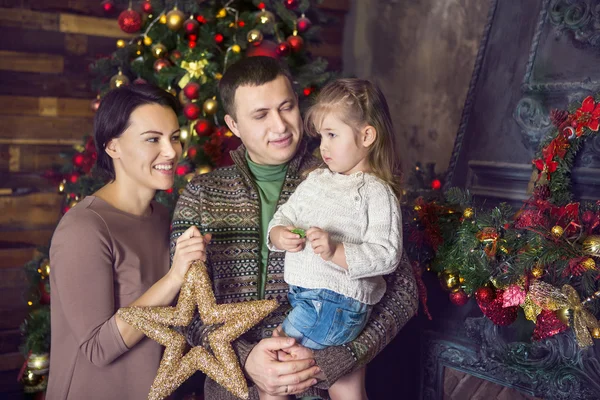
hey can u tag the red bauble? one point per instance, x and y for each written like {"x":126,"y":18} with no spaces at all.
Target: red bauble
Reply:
{"x":169,"y":190}
{"x":147,"y":7}
{"x":219,"y":38}
{"x":191,"y":90}
{"x":203,"y":128}
{"x":241,"y":24}
{"x":296,"y":43}
{"x":160,"y":64}
{"x":192,"y":44}
{"x":459,"y":298}
{"x":290,"y":4}
{"x":261,"y":5}
{"x":175,"y":55}
{"x":108,"y":6}
{"x":44,"y":294}
{"x":191,"y":153}
{"x":307,"y":91}
{"x":485,"y":295}
{"x":265,"y":48}
{"x":191,"y":26}
{"x":130,"y":21}
{"x":547,"y":324}
{"x":181,"y":170}
{"x":436,"y":184}
{"x":191,"y":111}
{"x":303,"y":24}
{"x":73,"y":177}
{"x":140,"y":81}
{"x":201,"y":19}
{"x":78,"y":159}
{"x":283,"y":49}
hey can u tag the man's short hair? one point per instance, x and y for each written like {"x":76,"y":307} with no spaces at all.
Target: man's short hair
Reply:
{"x":250,"y":71}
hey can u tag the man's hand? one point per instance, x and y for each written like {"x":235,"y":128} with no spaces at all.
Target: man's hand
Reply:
{"x":280,"y":377}
{"x":284,"y":239}
{"x":321,"y":243}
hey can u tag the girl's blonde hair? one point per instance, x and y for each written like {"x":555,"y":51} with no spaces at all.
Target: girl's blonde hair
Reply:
{"x":360,"y":103}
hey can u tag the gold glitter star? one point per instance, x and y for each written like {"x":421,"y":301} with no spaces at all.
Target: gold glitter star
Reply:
{"x":222,"y":364}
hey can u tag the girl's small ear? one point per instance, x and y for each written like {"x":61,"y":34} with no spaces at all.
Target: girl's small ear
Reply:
{"x":112,"y":148}
{"x":369,"y":134}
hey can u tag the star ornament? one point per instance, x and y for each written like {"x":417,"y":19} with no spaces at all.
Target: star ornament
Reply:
{"x":220,"y":362}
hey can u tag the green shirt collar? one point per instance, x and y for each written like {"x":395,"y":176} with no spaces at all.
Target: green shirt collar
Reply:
{"x":266,"y":173}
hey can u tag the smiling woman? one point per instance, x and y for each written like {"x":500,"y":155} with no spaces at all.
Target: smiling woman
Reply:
{"x":122,"y":253}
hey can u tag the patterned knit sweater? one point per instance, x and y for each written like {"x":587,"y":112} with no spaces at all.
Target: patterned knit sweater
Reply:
{"x":358,"y":210}
{"x":225,"y":202}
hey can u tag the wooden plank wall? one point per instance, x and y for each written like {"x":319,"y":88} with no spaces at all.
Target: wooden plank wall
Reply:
{"x":45,"y":49}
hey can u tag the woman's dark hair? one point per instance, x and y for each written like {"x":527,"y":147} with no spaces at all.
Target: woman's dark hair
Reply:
{"x":112,"y":117}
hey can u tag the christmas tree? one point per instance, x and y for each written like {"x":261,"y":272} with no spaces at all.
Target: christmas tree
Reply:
{"x":184,"y":47}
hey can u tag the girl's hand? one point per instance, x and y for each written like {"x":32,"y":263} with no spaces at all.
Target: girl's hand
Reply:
{"x":191,"y":246}
{"x":321,"y":243}
{"x":283,"y":238}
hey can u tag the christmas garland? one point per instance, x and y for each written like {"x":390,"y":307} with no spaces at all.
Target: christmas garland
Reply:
{"x":540,"y":258}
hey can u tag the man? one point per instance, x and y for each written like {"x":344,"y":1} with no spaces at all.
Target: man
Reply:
{"x":235,"y":205}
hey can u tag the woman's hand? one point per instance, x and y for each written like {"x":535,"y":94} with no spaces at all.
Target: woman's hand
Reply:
{"x":191,"y":246}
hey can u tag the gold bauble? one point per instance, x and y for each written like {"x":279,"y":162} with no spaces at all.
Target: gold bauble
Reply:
{"x":184,"y":133}
{"x":218,"y":76}
{"x":30,"y":379}
{"x":147,"y":40}
{"x":254,"y":36}
{"x":210,"y":106}
{"x":163,"y":19}
{"x":121,"y":43}
{"x":236,"y":48}
{"x":417,"y":208}
{"x":72,"y":204}
{"x":159,"y":50}
{"x":139,"y":47}
{"x":265,"y":17}
{"x":61,"y":186}
{"x":172,"y":91}
{"x":468,"y":213}
{"x":565,"y":315}
{"x":118,"y":80}
{"x":557,"y":231}
{"x":44,"y":268}
{"x":175,"y":19}
{"x":222,"y":13}
{"x":203,"y":169}
{"x":183,"y":98}
{"x":595,"y":333}
{"x":38,"y":363}
{"x":589,"y":263}
{"x":450,"y":281}
{"x":591,"y":245}
{"x":537,"y":271}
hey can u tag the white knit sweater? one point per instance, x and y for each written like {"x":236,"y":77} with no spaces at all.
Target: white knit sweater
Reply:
{"x":358,"y":210}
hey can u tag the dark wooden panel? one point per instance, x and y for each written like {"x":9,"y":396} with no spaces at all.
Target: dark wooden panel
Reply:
{"x":45,"y":106}
{"x":11,"y":361}
{"x":33,"y":210}
{"x":14,"y":256}
{"x":31,"y":84}
{"x":30,"y":127}
{"x":10,"y":340}
{"x":16,"y":234}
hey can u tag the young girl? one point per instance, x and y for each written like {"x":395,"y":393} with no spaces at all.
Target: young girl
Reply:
{"x":342,"y":226}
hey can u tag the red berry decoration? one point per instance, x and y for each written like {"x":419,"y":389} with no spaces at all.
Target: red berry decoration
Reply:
{"x":436,"y":184}
{"x":459,"y":298}
{"x":203,"y":128}
{"x":303,"y":24}
{"x":191,"y":26}
{"x":192,"y":45}
{"x":296,"y":43}
{"x":241,"y":24}
{"x":181,"y":170}
{"x":192,"y":151}
{"x":290,"y":4}
{"x":484,"y":295}
{"x":191,"y":90}
{"x":307,"y":91}
{"x":130,"y":21}
{"x":191,"y":111}
{"x":201,"y":19}
{"x":73,"y":177}
{"x":78,"y":160}
{"x":147,"y":7}
{"x":219,"y":38}
{"x":261,"y":5}
{"x":108,"y":6}
{"x":283,"y":49}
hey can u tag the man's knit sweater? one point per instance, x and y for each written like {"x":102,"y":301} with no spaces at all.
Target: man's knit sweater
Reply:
{"x":226,"y":203}
{"x":358,"y":210}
